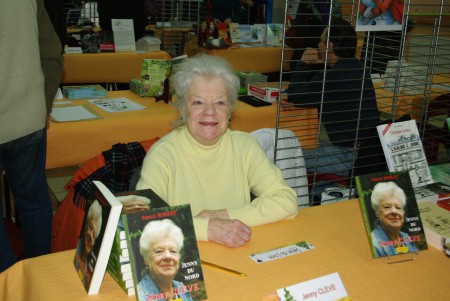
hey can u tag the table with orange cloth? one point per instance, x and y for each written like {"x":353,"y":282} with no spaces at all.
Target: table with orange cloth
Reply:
{"x":257,"y":59}
{"x":412,"y":104}
{"x":72,"y":143}
{"x":340,"y":243}
{"x":106,"y":67}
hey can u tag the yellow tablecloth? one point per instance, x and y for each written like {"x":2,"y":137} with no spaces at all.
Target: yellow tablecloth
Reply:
{"x":72,"y":143}
{"x":106,"y":67}
{"x":336,"y":231}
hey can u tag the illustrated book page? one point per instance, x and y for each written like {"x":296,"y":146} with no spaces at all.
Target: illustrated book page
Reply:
{"x":390,"y":213}
{"x":403,"y":150}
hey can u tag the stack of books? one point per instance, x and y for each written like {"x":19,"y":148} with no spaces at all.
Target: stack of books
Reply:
{"x":119,"y":266}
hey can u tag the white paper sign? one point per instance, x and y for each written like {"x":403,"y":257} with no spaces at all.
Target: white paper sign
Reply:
{"x":325,"y":288}
{"x":123,"y":31}
{"x":281,"y":252}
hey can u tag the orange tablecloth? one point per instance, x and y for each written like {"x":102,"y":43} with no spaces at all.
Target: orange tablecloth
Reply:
{"x":72,"y":143}
{"x":257,"y":59}
{"x":106,"y":67}
{"x":336,"y":231}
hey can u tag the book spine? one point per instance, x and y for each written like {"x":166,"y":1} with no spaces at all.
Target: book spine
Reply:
{"x":364,"y":213}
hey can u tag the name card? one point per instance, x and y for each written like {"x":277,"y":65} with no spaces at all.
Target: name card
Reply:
{"x":325,"y":288}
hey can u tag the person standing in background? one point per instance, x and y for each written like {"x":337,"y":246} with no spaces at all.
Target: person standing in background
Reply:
{"x":31,"y":66}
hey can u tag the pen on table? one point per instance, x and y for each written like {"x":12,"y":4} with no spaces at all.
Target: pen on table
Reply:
{"x":222,"y":268}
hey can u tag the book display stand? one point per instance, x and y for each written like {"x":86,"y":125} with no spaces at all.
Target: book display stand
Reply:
{"x":401,"y":257}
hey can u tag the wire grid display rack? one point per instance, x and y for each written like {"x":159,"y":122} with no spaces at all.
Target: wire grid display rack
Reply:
{"x":410,"y":70}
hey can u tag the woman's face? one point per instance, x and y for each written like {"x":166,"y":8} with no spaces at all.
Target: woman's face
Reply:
{"x":89,"y":234}
{"x":163,"y":258}
{"x":391,"y":213}
{"x":207,"y":111}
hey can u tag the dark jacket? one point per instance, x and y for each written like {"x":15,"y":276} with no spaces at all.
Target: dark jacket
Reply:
{"x":343,"y":87}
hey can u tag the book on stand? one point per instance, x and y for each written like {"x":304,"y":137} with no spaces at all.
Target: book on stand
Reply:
{"x":155,"y":78}
{"x":119,"y":266}
{"x":388,"y":205}
{"x":436,"y":222}
{"x":96,"y":237}
{"x":403,"y":150}
{"x":162,"y":242}
{"x":441,"y":172}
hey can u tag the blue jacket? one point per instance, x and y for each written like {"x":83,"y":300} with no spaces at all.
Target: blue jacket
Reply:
{"x":148,"y":287}
{"x":343,"y":86}
{"x":379,"y":235}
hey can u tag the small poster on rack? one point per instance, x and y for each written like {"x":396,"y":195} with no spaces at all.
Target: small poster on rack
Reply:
{"x":376,"y":15}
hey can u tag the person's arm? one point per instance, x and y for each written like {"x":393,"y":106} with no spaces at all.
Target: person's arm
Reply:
{"x":305,"y":87}
{"x":50,"y":52}
{"x":275,"y":200}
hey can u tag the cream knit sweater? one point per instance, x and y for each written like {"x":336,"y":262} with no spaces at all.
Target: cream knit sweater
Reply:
{"x":27,"y":40}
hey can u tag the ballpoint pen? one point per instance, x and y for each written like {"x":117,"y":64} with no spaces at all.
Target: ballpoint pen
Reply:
{"x":222,"y":268}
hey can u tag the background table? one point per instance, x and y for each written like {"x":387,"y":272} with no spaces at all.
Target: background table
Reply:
{"x":106,"y":67}
{"x":335,"y":230}
{"x":257,"y":59}
{"x":72,"y":143}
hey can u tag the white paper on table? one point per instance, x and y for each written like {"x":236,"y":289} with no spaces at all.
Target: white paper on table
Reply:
{"x":123,"y":31}
{"x":119,"y":104}
{"x":74,"y":113}
{"x":325,"y":288}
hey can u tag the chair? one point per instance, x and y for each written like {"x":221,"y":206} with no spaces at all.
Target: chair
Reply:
{"x":115,"y":173}
{"x":289,"y":158}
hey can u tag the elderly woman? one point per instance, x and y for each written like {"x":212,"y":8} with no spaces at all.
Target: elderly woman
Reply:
{"x":215,"y":170}
{"x":388,"y":202}
{"x":160,"y":245}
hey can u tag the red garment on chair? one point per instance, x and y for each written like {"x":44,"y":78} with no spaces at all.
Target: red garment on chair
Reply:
{"x":69,"y":216}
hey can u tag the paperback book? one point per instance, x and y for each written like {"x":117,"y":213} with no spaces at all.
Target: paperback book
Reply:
{"x":391,"y":214}
{"x":163,"y":249}
{"x":96,"y":237}
{"x":119,"y":266}
{"x":403,"y":150}
{"x":155,"y":78}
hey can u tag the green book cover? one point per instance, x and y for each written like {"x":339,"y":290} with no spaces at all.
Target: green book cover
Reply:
{"x":390,"y":213}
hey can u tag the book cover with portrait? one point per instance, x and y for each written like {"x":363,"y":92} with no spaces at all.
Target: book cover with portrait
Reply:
{"x":391,"y":214}
{"x":164,"y":256}
{"x":96,"y":237}
{"x":119,"y":266}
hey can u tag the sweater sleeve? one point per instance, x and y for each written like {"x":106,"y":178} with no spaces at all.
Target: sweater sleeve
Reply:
{"x":274,"y":201}
{"x":305,"y":87}
{"x":50,"y":51}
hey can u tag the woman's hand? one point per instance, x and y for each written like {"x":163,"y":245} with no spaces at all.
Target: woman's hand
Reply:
{"x":231,"y":233}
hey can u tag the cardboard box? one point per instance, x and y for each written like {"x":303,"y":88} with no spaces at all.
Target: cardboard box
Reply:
{"x":267,"y":94}
{"x":85,"y":91}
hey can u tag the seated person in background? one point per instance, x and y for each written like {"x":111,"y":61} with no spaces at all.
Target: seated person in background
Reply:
{"x":226,"y":11}
{"x":205,"y":164}
{"x":344,"y":94}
